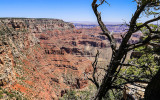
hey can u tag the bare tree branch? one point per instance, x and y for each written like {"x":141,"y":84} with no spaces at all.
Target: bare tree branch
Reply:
{"x":147,"y":22}
{"x":144,"y":42}
{"x":102,"y":25}
{"x":102,"y":1}
{"x":150,"y":30}
{"x":94,"y":65}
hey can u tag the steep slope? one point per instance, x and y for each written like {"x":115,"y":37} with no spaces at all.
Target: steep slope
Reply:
{"x":42,"y":58}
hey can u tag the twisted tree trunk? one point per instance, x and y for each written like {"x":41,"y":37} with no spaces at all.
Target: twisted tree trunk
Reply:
{"x":153,"y":89}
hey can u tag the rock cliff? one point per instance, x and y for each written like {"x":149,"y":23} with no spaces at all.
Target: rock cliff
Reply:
{"x":42,"y":58}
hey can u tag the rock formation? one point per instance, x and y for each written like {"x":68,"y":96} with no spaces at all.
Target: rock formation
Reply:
{"x":42,"y":58}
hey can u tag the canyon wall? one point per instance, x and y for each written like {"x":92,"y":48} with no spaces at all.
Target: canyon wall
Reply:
{"x":43,"y":58}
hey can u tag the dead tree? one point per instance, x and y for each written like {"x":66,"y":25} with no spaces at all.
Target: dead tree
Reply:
{"x":119,"y":52}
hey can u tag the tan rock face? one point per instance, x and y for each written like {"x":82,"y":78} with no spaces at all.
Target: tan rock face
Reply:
{"x":42,"y":58}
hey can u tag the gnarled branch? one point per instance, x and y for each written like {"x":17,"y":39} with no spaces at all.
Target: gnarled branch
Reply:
{"x":94,"y":65}
{"x":144,"y":42}
{"x":102,"y":25}
{"x":146,"y":23}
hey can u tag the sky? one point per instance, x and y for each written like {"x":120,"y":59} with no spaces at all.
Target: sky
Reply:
{"x":68,"y":10}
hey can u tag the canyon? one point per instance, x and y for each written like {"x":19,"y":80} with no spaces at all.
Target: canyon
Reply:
{"x":43,"y":58}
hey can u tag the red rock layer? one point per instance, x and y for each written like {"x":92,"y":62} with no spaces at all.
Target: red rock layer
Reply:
{"x":48,"y":56}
